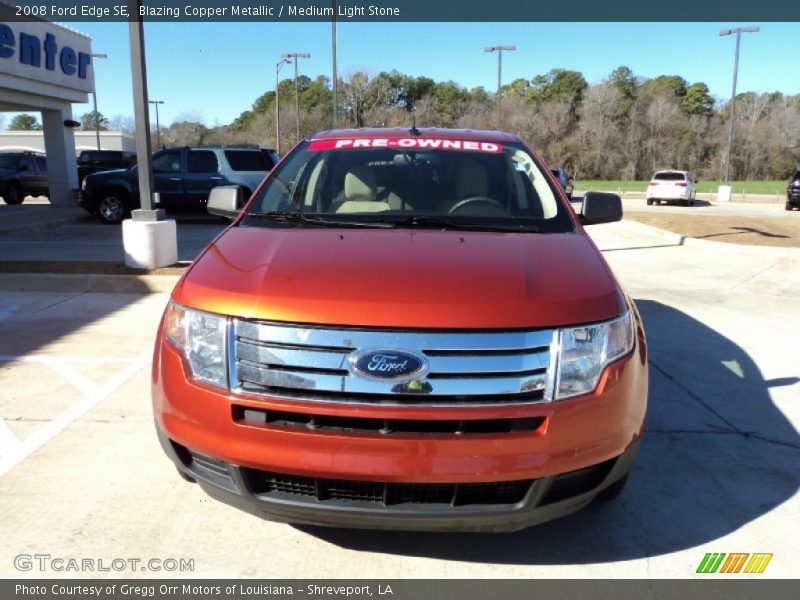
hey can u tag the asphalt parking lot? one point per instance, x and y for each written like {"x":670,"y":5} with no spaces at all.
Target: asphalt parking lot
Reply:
{"x":82,"y":475}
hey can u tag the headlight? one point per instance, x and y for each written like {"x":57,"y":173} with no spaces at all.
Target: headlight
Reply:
{"x":585,"y":351}
{"x":201,"y":338}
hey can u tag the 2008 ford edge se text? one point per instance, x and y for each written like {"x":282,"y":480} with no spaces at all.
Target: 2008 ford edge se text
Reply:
{"x":404,"y":329}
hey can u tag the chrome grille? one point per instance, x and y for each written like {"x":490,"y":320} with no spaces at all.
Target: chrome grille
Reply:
{"x":311,"y":363}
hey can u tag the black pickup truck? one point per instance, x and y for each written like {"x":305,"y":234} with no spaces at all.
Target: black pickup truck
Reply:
{"x":183,"y":178}
{"x":94,"y":161}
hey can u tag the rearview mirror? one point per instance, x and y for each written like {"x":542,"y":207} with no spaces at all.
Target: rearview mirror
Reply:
{"x":600,"y":207}
{"x":224,"y":201}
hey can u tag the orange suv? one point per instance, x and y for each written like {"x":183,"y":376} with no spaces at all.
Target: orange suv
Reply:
{"x":404,"y":329}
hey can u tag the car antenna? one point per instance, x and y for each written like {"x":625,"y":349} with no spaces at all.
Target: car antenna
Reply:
{"x":414,"y":130}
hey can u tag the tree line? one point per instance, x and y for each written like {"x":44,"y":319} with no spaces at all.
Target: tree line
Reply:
{"x":624,"y":127}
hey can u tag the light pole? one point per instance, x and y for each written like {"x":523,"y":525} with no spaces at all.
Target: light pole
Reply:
{"x":499,"y":50}
{"x":738,"y":32}
{"x":296,"y":56}
{"x":158,"y":126}
{"x":335,"y":76}
{"x":94,"y":97}
{"x":284,"y":61}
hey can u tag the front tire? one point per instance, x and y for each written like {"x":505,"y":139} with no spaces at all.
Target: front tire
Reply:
{"x":14,"y":195}
{"x":649,"y":202}
{"x":112,"y":207}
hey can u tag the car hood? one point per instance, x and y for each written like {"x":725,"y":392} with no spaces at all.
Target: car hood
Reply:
{"x":403,"y":278}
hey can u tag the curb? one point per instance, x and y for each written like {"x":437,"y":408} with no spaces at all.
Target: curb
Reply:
{"x":22,"y":227}
{"x":710,"y":245}
{"x":115,"y":284}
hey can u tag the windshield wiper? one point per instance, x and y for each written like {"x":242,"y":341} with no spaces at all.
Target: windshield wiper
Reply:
{"x":444,"y":223}
{"x":300,"y":218}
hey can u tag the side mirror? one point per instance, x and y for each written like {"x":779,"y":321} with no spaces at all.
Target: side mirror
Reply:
{"x":224,"y":201}
{"x":600,"y":207}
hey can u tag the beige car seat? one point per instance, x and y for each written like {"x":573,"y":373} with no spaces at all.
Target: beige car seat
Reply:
{"x":360,"y":193}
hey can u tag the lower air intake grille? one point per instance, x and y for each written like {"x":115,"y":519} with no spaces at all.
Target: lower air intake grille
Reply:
{"x":264,"y":483}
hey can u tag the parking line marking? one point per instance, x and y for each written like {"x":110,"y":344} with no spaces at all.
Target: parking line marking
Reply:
{"x":44,"y":434}
{"x":10,"y":444}
{"x":70,"y":358}
{"x":75,"y":377}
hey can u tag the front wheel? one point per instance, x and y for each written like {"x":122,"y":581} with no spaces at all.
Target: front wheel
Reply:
{"x":649,"y":202}
{"x":112,"y":207}
{"x":788,"y":206}
{"x":14,"y":195}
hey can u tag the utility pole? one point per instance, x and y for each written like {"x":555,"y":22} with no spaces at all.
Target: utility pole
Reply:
{"x":499,"y":50}
{"x":296,"y":56}
{"x":335,"y":76}
{"x":284,"y":61}
{"x":94,"y":97}
{"x":158,"y":126}
{"x":738,"y":32}
{"x":149,"y":240}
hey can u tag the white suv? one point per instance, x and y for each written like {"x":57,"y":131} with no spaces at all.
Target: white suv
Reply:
{"x":671,"y":186}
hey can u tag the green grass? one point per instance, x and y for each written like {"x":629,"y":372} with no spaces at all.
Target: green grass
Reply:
{"x":748,"y":187}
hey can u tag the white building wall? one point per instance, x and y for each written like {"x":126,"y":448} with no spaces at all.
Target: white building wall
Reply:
{"x":33,"y":141}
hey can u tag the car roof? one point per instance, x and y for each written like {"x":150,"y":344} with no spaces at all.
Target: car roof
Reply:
{"x":477,"y":135}
{"x":672,"y":171}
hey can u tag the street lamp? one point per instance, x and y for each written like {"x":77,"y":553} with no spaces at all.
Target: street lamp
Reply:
{"x":94,"y":97}
{"x":158,"y":126}
{"x":284,"y":61}
{"x":296,"y":56}
{"x":738,"y":32}
{"x":499,"y":50}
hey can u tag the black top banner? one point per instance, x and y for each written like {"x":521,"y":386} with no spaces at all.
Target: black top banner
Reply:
{"x":398,"y":10}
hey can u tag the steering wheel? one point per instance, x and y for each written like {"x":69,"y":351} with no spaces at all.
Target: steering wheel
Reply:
{"x":476,"y":200}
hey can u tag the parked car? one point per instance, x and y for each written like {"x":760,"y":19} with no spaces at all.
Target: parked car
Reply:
{"x":793,"y":192}
{"x":183,"y":178}
{"x":23,"y":174}
{"x":671,"y":186}
{"x":564,"y":180}
{"x":93,"y":161}
{"x":404,"y":329}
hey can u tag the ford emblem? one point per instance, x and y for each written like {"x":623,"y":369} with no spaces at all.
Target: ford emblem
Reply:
{"x":385,"y":364}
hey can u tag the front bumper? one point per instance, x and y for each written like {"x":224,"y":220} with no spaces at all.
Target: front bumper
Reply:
{"x":297,"y":502}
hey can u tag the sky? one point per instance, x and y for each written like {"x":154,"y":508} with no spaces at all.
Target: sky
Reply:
{"x":217,"y":70}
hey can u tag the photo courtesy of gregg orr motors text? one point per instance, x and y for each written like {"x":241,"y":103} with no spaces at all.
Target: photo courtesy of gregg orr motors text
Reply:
{"x":193,"y":589}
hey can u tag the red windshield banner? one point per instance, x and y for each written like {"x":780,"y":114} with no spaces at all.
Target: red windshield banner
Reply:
{"x":410,"y":143}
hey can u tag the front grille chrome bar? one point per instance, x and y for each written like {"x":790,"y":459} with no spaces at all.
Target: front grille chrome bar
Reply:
{"x":311,"y":363}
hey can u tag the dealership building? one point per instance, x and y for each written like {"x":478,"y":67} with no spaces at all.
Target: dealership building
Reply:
{"x":46,"y":68}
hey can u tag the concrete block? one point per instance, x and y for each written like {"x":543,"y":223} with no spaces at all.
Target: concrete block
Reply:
{"x":724,"y":193}
{"x":150,"y":244}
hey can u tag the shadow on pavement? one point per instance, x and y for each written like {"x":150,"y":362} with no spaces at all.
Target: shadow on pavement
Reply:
{"x":717,"y":455}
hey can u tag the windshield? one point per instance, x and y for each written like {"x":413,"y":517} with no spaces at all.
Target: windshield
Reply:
{"x":412,"y":182}
{"x":8,"y":161}
{"x":670,"y":176}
